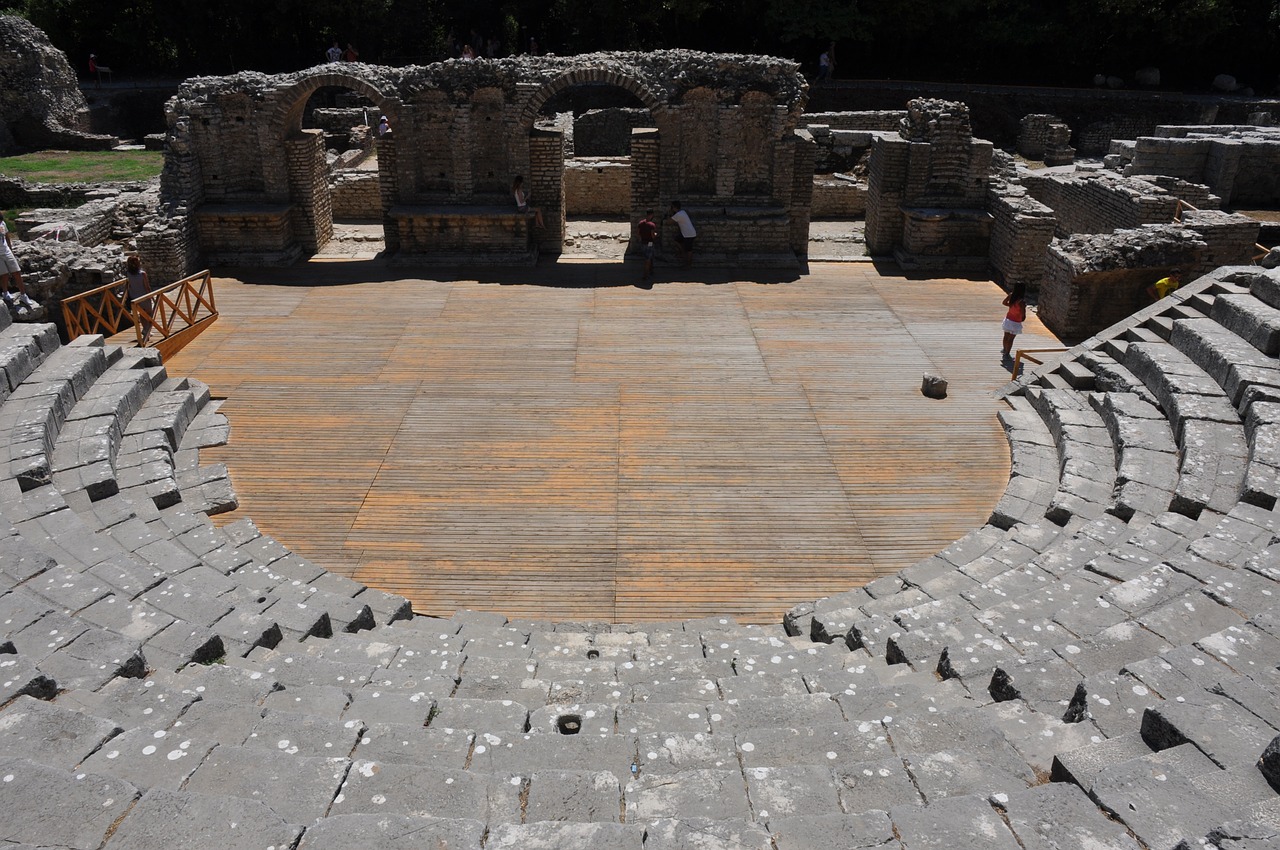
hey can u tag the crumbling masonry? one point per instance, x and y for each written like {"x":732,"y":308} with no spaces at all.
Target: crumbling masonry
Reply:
{"x":244,"y":183}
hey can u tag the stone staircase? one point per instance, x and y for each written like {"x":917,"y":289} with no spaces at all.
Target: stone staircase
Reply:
{"x":1096,"y":667}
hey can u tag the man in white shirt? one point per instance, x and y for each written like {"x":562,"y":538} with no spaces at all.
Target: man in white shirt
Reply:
{"x":687,"y":232}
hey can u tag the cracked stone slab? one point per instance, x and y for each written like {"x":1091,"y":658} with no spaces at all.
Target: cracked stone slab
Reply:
{"x":19,"y":677}
{"x":1160,"y":805}
{"x":667,"y":754}
{"x":317,"y":700}
{"x":302,"y":734}
{"x":851,"y":832}
{"x":149,"y":758}
{"x":87,"y":804}
{"x":524,"y":754}
{"x":566,"y":836}
{"x":600,"y":719}
{"x":956,"y":823}
{"x":1220,"y":728}
{"x":827,"y":745}
{"x":574,"y":795}
{"x":501,"y":717}
{"x":875,"y":785}
{"x":392,"y":832}
{"x":704,"y":834}
{"x":383,"y":787}
{"x":715,"y":794}
{"x":386,"y":705}
{"x":1039,"y":737}
{"x":50,"y":734}
{"x":1058,"y":816}
{"x":297,"y":788}
{"x":410,"y":744}
{"x":791,"y":791}
{"x":954,"y":773}
{"x":164,"y":820}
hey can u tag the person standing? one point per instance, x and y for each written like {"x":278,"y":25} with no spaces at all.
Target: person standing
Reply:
{"x":826,"y":63}
{"x":139,"y":292}
{"x":647,"y":230}
{"x":11,"y":273}
{"x":687,"y":232}
{"x":522,"y":200}
{"x":350,"y":54}
{"x":334,"y":54}
{"x":384,"y":126}
{"x":1016,"y":301}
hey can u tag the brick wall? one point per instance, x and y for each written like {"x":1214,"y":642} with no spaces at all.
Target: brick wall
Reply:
{"x":835,"y":197}
{"x":1100,"y":202}
{"x":248,"y":235}
{"x":1021,"y":230}
{"x":356,"y":194}
{"x":597,"y":186}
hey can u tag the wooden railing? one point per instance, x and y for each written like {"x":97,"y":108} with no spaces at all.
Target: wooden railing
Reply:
{"x":167,"y":318}
{"x":1028,"y":354}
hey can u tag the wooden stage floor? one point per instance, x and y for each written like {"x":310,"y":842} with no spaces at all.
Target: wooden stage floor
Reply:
{"x":556,"y":443}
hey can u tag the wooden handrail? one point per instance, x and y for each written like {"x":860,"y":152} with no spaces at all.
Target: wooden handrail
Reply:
{"x":1026,"y":354}
{"x":172,"y":314}
{"x":1183,"y":205}
{"x":99,"y":310}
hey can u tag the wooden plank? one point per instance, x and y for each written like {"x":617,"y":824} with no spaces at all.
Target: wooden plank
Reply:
{"x":581,"y":449}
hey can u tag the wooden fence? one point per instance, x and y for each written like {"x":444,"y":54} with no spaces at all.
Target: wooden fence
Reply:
{"x":167,"y":319}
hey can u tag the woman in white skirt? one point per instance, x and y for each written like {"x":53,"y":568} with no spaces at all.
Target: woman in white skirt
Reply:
{"x":1016,"y":301}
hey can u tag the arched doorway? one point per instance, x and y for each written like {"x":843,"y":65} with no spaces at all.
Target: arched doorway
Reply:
{"x":607,"y":174}
{"x":338,"y":170}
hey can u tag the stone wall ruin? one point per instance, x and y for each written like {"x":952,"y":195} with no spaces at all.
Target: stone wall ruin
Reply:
{"x":250,"y":183}
{"x":40,"y":101}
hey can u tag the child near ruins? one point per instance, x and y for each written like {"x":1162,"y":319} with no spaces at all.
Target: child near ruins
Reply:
{"x":1016,"y":301}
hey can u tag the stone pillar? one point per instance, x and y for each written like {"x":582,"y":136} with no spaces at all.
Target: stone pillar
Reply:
{"x":387,"y":189}
{"x":1221,"y":166}
{"x":546,"y":186}
{"x":645,"y":144}
{"x":461,"y":153}
{"x":886,"y":190}
{"x":309,"y":190}
{"x":800,"y":206}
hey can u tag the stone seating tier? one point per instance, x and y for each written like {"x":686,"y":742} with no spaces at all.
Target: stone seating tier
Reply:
{"x":1101,"y":656}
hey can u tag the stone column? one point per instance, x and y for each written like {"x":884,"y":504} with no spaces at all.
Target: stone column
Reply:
{"x":309,"y":190}
{"x":645,"y":143}
{"x":387,"y":188}
{"x":546,"y":186}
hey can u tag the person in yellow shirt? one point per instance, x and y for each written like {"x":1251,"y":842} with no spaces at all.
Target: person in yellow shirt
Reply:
{"x":1165,"y":285}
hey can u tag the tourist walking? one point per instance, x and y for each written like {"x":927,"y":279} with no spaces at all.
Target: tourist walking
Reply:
{"x":11,"y":273}
{"x":1165,"y":285}
{"x":96,"y":70}
{"x":522,"y":200}
{"x":139,"y":293}
{"x":647,"y":231}
{"x":687,"y":233}
{"x":826,"y":63}
{"x":1016,"y":301}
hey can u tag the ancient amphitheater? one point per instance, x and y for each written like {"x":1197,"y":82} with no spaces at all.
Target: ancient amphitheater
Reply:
{"x":1096,"y":666}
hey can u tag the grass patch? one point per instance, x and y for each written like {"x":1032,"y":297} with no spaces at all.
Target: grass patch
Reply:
{"x":83,"y":166}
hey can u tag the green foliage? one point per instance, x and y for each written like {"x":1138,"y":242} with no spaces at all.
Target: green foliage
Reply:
{"x":86,"y":166}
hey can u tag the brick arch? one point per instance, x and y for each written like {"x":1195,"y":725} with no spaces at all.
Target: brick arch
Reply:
{"x":292,"y":101}
{"x":589,"y":75}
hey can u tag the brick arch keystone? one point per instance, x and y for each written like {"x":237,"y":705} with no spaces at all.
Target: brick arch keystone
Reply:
{"x":580,"y":76}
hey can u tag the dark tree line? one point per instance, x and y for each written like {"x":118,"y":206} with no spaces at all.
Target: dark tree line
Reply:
{"x":999,"y":41}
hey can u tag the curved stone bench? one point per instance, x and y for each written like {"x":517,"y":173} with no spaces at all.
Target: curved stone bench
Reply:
{"x":1122,"y":659}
